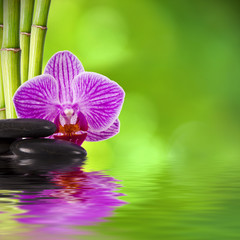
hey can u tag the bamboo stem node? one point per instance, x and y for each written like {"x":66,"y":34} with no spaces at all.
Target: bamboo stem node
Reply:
{"x":11,"y":54}
{"x":25,"y":33}
{"x":11,"y":49}
{"x":37,"y":40}
{"x":41,"y":27}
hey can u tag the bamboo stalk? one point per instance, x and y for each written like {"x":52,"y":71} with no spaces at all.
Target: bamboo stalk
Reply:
{"x":38,"y":34}
{"x":2,"y":101}
{"x":11,"y":53}
{"x":25,"y":33}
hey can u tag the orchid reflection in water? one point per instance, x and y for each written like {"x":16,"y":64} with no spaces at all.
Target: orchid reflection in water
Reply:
{"x":80,"y":199}
{"x":83,"y":105}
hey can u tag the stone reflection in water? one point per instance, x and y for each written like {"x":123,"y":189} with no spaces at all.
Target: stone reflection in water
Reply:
{"x":11,"y":186}
{"x":75,"y":198}
{"x":55,"y":193}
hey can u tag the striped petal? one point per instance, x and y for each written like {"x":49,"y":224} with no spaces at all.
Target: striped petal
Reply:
{"x":64,"y":67}
{"x":103,"y":135}
{"x":98,"y":98}
{"x":38,"y":98}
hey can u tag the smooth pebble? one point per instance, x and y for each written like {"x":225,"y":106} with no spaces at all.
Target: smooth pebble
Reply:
{"x":5,"y":144}
{"x":42,"y":155}
{"x":26,"y":127}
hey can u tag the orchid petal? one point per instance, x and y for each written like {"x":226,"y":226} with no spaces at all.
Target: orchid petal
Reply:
{"x":98,"y":98}
{"x":37,"y":98}
{"x":103,"y":135}
{"x":64,"y":67}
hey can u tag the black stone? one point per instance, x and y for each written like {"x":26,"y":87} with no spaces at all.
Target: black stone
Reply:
{"x":5,"y":163}
{"x":44,"y":155}
{"x":26,"y":127}
{"x":7,"y":156}
{"x":5,"y":144}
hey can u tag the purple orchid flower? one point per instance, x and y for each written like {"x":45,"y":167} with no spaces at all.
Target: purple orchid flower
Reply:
{"x":83,"y":105}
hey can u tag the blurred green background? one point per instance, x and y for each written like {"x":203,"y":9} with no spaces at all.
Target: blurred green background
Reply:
{"x":178,"y":149}
{"x":178,"y":61}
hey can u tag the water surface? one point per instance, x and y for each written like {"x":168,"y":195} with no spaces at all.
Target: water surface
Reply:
{"x":198,"y":200}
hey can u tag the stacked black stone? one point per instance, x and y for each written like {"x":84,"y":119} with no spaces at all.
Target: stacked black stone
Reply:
{"x":24,"y":148}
